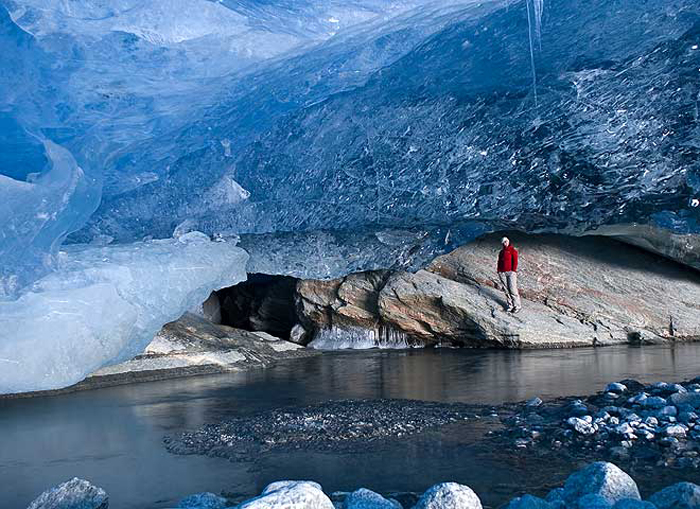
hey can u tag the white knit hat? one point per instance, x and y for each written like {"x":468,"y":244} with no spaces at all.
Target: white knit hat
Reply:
{"x":504,"y":240}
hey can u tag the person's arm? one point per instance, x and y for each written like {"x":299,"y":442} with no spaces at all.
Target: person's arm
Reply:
{"x":515,"y":260}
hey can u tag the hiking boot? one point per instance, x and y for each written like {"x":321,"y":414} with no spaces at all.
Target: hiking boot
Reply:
{"x":516,"y":310}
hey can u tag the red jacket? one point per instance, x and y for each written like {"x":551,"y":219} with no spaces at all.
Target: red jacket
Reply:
{"x":508,"y":259}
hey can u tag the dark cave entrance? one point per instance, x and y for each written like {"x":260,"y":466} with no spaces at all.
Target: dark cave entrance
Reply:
{"x":262,"y":303}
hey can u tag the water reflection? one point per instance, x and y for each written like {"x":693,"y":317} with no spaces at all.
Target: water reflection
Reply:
{"x":113,"y":436}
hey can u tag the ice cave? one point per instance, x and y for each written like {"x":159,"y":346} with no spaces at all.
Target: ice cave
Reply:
{"x":319,"y":207}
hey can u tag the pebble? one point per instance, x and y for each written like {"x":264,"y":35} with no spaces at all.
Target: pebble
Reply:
{"x":628,"y":420}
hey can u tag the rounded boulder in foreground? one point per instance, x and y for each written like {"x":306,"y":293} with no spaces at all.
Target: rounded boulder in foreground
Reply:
{"x":290,"y":495}
{"x":600,"y":478}
{"x":73,"y":494}
{"x":684,"y":495}
{"x":367,"y":499}
{"x":449,"y":495}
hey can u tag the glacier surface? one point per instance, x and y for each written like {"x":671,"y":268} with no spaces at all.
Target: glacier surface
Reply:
{"x":329,"y":135}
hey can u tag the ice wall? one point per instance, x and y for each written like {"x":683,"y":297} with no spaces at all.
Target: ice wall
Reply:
{"x":103,"y":305}
{"x":447,"y":129}
{"x":331,"y":135}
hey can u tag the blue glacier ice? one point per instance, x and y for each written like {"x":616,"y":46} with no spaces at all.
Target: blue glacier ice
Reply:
{"x":327,"y":136}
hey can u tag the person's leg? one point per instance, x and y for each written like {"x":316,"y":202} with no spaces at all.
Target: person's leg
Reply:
{"x":504,"y":283}
{"x":513,"y":289}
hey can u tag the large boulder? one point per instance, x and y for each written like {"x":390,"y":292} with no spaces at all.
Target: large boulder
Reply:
{"x":367,"y":499}
{"x":73,"y":494}
{"x":290,"y":495}
{"x":683,"y":495}
{"x":598,"y":280}
{"x":449,"y":495}
{"x":347,"y":302}
{"x":437,"y":309}
{"x":577,"y":292}
{"x":603,"y":479}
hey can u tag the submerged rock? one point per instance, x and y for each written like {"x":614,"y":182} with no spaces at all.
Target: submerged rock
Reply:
{"x":345,"y":424}
{"x":449,"y":495}
{"x":202,"y":501}
{"x":73,"y":494}
{"x":683,"y":495}
{"x":629,"y":503}
{"x":290,"y":495}
{"x":603,"y":479}
{"x":529,"y":502}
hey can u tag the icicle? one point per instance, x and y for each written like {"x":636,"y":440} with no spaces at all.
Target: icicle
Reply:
{"x":539,"y":9}
{"x":531,"y":36}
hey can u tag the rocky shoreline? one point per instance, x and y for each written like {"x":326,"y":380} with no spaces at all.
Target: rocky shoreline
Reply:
{"x":652,"y":428}
{"x":635,"y":425}
{"x":599,"y":485}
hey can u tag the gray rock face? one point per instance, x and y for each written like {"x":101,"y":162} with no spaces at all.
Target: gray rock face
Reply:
{"x":202,"y":501}
{"x":348,"y":302}
{"x":449,"y":495}
{"x":576,"y":291}
{"x":603,"y":479}
{"x":193,"y":345}
{"x":73,"y":494}
{"x":683,"y":495}
{"x":367,"y":499}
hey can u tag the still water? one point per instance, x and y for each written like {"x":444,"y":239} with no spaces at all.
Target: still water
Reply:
{"x":113,"y":436}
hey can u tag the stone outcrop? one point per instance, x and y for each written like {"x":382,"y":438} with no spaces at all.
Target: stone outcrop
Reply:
{"x":194,"y":345}
{"x":576,"y":292}
{"x":348,"y":302}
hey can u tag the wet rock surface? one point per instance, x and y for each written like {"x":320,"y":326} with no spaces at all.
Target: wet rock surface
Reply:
{"x":332,"y":425}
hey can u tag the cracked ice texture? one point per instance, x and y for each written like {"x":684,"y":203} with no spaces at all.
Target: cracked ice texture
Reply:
{"x":444,"y":129}
{"x":122,"y":120}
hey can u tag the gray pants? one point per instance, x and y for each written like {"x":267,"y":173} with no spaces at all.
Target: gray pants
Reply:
{"x":509,"y":280}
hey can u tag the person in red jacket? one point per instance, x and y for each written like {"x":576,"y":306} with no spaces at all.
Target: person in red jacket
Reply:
{"x":508,"y":274}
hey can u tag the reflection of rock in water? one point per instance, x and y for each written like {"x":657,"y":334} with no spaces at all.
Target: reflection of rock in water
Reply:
{"x":319,"y":427}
